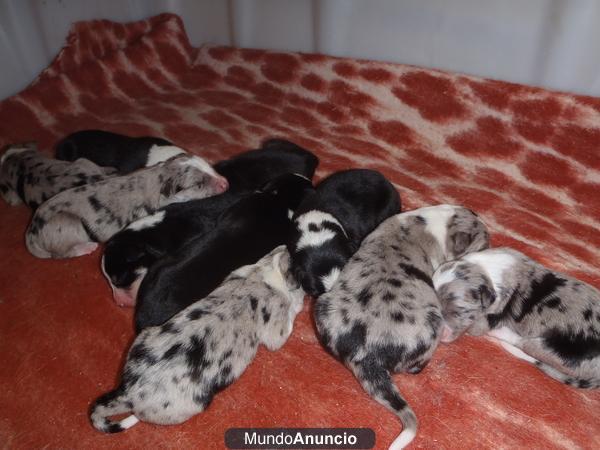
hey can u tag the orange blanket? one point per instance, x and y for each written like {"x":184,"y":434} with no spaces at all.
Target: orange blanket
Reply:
{"x":525,"y":159}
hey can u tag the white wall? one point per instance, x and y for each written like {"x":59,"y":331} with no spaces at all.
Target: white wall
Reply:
{"x":553,"y":43}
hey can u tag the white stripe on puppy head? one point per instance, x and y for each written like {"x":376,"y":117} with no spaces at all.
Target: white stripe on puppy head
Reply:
{"x":315,"y":238}
{"x":493,"y":262}
{"x":201,"y":164}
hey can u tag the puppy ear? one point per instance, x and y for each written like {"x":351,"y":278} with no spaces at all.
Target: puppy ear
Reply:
{"x":460,"y":243}
{"x":487,"y":296}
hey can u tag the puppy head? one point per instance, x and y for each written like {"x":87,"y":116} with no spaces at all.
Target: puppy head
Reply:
{"x":466,"y":292}
{"x":319,"y":249}
{"x":466,"y":234}
{"x":250,"y":170}
{"x":450,"y":231}
{"x":190,"y":177}
{"x":281,"y":301}
{"x":125,"y":261}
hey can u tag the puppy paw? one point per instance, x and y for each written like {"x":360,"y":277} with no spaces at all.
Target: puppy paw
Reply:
{"x":83,"y":249}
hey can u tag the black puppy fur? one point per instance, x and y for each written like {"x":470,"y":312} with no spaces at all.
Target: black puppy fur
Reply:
{"x":104,"y":148}
{"x":246,"y":171}
{"x":331,"y":223}
{"x":247,"y":231}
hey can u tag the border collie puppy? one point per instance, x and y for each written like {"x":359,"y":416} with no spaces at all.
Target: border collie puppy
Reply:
{"x":73,"y":222}
{"x":131,"y":252}
{"x":331,"y":223}
{"x":28,"y":176}
{"x":124,"y":153}
{"x":172,"y":372}
{"x":545,"y":317}
{"x":250,"y":170}
{"x":247,"y":231}
{"x":383,"y":316}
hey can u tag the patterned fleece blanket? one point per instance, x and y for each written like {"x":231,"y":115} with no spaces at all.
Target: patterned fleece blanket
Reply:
{"x":524,"y":158}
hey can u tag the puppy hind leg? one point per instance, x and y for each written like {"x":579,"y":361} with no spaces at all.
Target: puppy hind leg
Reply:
{"x":377,"y":382}
{"x":85,"y":248}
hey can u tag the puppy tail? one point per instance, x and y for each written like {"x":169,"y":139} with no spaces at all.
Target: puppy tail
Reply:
{"x":377,"y":381}
{"x":109,"y":404}
{"x":582,"y":383}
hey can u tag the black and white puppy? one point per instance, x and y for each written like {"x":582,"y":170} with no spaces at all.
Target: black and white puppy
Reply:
{"x":173,"y":371}
{"x":545,"y":317}
{"x":331,"y":223}
{"x":107,"y":149}
{"x":383,"y":316}
{"x":248,"y":230}
{"x":73,"y":222}
{"x":131,"y":252}
{"x":250,"y":170}
{"x":28,"y":176}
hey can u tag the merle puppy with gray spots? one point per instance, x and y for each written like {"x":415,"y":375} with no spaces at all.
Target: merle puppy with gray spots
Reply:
{"x":28,"y":176}
{"x":124,"y":153}
{"x":73,"y":222}
{"x":173,"y":371}
{"x":250,"y":170}
{"x":544,"y":317}
{"x":247,"y":231}
{"x":331,"y":223}
{"x":382,"y":315}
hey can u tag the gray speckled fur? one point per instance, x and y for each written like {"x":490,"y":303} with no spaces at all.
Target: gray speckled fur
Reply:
{"x":173,"y":371}
{"x":74,"y":221}
{"x":382,"y":315}
{"x":39,"y":178}
{"x":551,"y":317}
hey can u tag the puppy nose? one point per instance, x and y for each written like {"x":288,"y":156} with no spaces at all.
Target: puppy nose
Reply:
{"x":221,"y":184}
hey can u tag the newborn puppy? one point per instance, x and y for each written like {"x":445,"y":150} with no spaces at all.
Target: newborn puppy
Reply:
{"x":247,"y":231}
{"x":172,"y":372}
{"x":331,"y":223}
{"x":383,"y":316}
{"x":131,"y":252}
{"x":27,"y":176}
{"x":250,"y":170}
{"x":74,"y":221}
{"x":124,"y":153}
{"x":547,"y":318}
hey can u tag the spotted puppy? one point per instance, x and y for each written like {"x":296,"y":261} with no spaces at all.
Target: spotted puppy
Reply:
{"x":382,"y":316}
{"x":331,"y":223}
{"x":173,"y":371}
{"x":132,"y":251}
{"x":28,"y":176}
{"x":74,"y":221}
{"x":247,"y":231}
{"x":124,"y":153}
{"x":544,"y":317}
{"x":250,"y":170}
